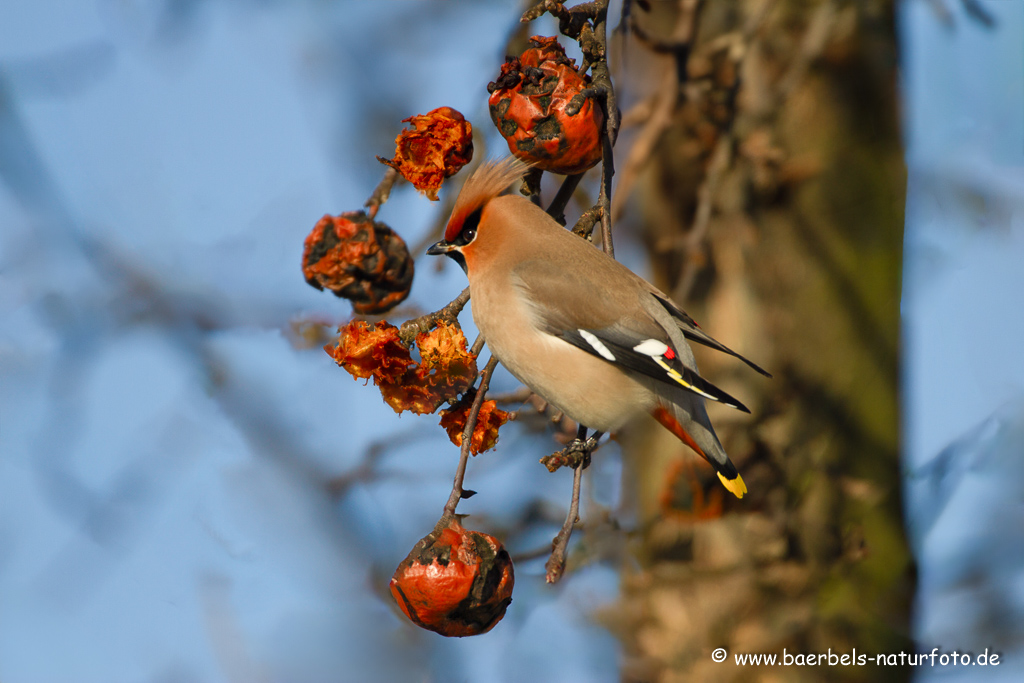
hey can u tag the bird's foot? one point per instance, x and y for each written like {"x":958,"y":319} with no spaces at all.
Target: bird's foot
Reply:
{"x":576,"y":453}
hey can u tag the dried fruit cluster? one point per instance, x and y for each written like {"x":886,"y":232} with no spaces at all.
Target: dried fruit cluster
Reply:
{"x":488,"y":421}
{"x":455,"y":582}
{"x":446,"y":369}
{"x":531,"y":101}
{"x":359,"y":259}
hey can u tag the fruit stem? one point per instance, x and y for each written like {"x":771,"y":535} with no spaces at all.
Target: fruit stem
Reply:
{"x":381,"y":192}
{"x":562,"y":197}
{"x":410,"y":329}
{"x":467,"y":439}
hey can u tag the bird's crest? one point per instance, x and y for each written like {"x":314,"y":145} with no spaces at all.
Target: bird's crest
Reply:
{"x":486,"y":183}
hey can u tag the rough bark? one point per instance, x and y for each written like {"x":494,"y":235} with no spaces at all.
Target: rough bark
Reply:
{"x":772,"y":206}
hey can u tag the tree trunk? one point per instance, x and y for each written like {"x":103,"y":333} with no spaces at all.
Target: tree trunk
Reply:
{"x":772,"y":205}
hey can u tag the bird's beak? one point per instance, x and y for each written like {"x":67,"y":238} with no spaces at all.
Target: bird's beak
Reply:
{"x":439,"y":248}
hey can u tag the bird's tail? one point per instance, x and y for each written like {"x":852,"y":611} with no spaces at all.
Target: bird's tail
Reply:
{"x":687,"y":419}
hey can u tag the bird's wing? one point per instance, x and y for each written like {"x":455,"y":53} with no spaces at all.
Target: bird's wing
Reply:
{"x":691,"y":330}
{"x":650,"y":356}
{"x":612,"y":324}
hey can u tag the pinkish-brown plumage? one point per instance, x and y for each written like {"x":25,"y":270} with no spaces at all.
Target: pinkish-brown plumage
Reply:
{"x":577,"y":327}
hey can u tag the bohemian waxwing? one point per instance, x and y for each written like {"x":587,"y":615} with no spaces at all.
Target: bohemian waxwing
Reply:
{"x":576,"y":326}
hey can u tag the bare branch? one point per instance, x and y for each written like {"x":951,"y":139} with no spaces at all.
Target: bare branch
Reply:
{"x":604,"y":200}
{"x":587,"y":24}
{"x":458,"y":493}
{"x":557,"y":208}
{"x":381,"y":192}
{"x":478,"y":345}
{"x":665,"y":101}
{"x":580,"y":449}
{"x":721,"y":160}
{"x":555,"y":566}
{"x":576,"y":452}
{"x":521,"y":395}
{"x":410,"y":329}
{"x":662,"y":110}
{"x":531,"y":185}
{"x":585,"y":225}
{"x":815,"y":38}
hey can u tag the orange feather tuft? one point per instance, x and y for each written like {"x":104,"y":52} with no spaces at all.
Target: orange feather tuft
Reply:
{"x":662,"y":415}
{"x":486,"y":183}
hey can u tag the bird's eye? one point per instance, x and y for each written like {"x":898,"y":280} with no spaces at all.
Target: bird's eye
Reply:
{"x":468,"y":232}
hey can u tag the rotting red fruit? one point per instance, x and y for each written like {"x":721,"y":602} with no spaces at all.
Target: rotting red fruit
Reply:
{"x":489,"y":420}
{"x":439,"y":144}
{"x":455,"y":582}
{"x":366,"y":350}
{"x":358,"y":259}
{"x":528,"y":105}
{"x":447,"y":368}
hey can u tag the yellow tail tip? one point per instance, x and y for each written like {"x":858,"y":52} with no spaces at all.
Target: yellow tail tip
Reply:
{"x":735,"y":486}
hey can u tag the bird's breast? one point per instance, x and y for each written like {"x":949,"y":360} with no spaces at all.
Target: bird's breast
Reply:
{"x":590,"y":390}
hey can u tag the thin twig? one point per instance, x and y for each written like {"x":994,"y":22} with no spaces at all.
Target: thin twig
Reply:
{"x":646,"y":141}
{"x":555,"y":566}
{"x":467,"y":439}
{"x":976,"y":11}
{"x":721,"y":159}
{"x":531,"y":185}
{"x":639,"y":113}
{"x":557,"y":208}
{"x":605,"y":197}
{"x":381,"y":192}
{"x":449,"y":314}
{"x":594,"y":46}
{"x":720,"y":162}
{"x":587,"y":24}
{"x":816,"y":36}
{"x":478,"y":345}
{"x":520,"y":395}
{"x":680,"y":43}
{"x":588,"y":219}
{"x":664,"y":101}
{"x":366,"y":470}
